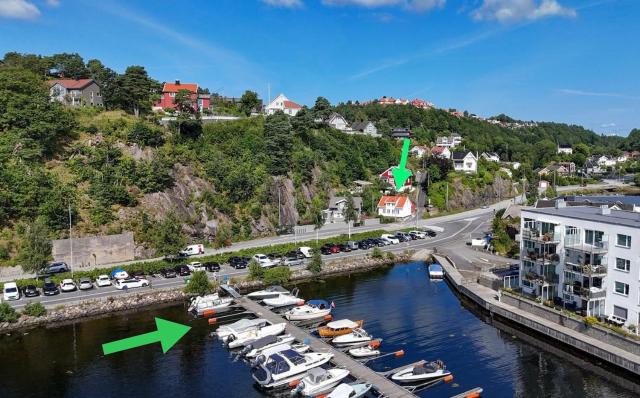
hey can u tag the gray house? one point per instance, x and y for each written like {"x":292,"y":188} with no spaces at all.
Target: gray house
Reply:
{"x":337,"y":206}
{"x":367,"y":128}
{"x":75,"y":92}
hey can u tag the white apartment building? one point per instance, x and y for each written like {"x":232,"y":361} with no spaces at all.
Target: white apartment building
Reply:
{"x":585,"y":258}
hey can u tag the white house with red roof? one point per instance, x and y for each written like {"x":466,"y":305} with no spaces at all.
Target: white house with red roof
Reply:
{"x":398,"y":206}
{"x":422,"y":104}
{"x":441,"y":152}
{"x":75,"y":92}
{"x":284,"y":104}
{"x":420,"y":151}
{"x":387,"y":177}
{"x":169,"y":91}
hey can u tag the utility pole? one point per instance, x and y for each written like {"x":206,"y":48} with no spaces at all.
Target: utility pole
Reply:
{"x":447,"y":198}
{"x":279,"y":219}
{"x":70,"y":241}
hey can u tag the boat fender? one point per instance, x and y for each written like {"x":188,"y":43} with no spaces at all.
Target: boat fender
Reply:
{"x":295,"y":384}
{"x":399,"y":353}
{"x":299,"y":303}
{"x":208,"y":313}
{"x":231,"y":338}
{"x":328,"y":317}
{"x":375,"y":344}
{"x":473,"y":395}
{"x":212,"y":321}
{"x":448,"y":378}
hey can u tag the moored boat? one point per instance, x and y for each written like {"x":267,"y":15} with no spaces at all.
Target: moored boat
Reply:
{"x":355,"y":390}
{"x":338,"y":328}
{"x":319,"y":381}
{"x":356,"y":337}
{"x":225,"y":331}
{"x":269,"y":292}
{"x":283,"y":300}
{"x":421,"y":372}
{"x":370,"y":350}
{"x":249,"y":336}
{"x":211,"y":302}
{"x":313,"y":309}
{"x":279,"y":369}
{"x":256,"y":348}
{"x":436,"y":271}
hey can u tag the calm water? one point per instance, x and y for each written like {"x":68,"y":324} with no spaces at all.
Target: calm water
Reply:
{"x":399,"y":305}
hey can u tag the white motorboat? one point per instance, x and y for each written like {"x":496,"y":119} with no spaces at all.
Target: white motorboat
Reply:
{"x":241,"y":339}
{"x":313,"y":309}
{"x":350,"y":390}
{"x":318,"y":381}
{"x":225,"y":331}
{"x":279,"y":369}
{"x":436,"y":271}
{"x":254,"y":349}
{"x":269,"y":292}
{"x":421,"y":372}
{"x":364,"y":352}
{"x":211,"y":302}
{"x":283,"y":300}
{"x":357,"y":336}
{"x":300,"y":348}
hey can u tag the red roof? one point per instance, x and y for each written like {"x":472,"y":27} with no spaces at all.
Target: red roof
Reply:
{"x":71,"y":84}
{"x":397,"y":201}
{"x":174,"y":88}
{"x":437,"y":149}
{"x":292,"y":105}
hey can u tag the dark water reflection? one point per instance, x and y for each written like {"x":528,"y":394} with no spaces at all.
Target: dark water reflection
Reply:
{"x":399,"y":304}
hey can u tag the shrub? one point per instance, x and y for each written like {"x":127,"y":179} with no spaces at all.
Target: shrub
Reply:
{"x":377,"y":253}
{"x":255,"y":270}
{"x":276,"y":276}
{"x":391,"y":256}
{"x":591,"y":320}
{"x":34,"y":309}
{"x":7,"y":313}
{"x":315,"y":265}
{"x":199,"y":284}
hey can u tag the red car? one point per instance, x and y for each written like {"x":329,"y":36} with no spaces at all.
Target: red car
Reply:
{"x":335,"y":249}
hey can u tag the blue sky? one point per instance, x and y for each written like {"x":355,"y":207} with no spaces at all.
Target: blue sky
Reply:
{"x":574,"y":61}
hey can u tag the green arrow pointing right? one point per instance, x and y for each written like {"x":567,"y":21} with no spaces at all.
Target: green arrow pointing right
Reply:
{"x":168,"y":334}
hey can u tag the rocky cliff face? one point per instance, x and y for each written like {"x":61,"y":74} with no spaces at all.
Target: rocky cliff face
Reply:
{"x":463,"y":197}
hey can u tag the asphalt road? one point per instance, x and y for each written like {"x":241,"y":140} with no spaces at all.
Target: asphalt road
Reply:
{"x":456,"y":232}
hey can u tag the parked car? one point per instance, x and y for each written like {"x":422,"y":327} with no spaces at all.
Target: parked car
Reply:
{"x":403,"y":237}
{"x":168,"y":273}
{"x":391,"y":238}
{"x":195,"y":266}
{"x":192,"y":250}
{"x":353,"y":245}
{"x":417,"y":234}
{"x":430,"y":233}
{"x":172,"y":258}
{"x":263,"y":260}
{"x":137,"y":274}
{"x":10,"y":291}
{"x":335,"y":248}
{"x":56,"y":268}
{"x":182,"y":270}
{"x":295,"y":253}
{"x":292,"y":261}
{"x":378,"y":242}
{"x":68,"y":285}
{"x":212,"y":266}
{"x":103,"y":280}
{"x":326,"y":249}
{"x":85,"y":284}
{"x":344,"y":247}
{"x":238,"y":262}
{"x":31,"y":291}
{"x":306,"y":251}
{"x":49,"y":288}
{"x":131,"y":283}
{"x":364,"y":245}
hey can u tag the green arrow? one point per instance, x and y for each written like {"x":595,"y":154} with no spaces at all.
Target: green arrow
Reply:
{"x":401,"y":173}
{"x":168,"y":334}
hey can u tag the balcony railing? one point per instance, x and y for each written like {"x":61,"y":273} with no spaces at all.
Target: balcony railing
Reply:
{"x":585,"y":293}
{"x":597,"y":247}
{"x":545,"y":258}
{"x":541,"y":279}
{"x":586,"y":269}
{"x":536,"y":235}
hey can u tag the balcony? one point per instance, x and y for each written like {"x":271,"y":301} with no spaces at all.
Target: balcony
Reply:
{"x":536,"y":236}
{"x":585,"y":293}
{"x":595,"y":248}
{"x":543,"y":279}
{"x":544,"y":258}
{"x":590,"y":270}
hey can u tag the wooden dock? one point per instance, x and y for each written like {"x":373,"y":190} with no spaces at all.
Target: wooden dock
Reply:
{"x":384,"y":386}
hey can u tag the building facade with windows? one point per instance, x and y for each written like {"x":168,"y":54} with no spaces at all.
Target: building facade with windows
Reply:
{"x":584,"y":258}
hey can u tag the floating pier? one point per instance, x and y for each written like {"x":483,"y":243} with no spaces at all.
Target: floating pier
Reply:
{"x":384,"y":386}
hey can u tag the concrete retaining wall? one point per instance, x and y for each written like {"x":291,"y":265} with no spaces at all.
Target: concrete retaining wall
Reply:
{"x":95,"y":250}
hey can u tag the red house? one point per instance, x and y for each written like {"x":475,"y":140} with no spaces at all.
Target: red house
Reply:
{"x":387,"y":177}
{"x":169,"y":90}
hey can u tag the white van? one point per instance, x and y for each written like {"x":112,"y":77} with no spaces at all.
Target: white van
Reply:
{"x":306,"y":251}
{"x":192,"y":250}
{"x":10,"y":291}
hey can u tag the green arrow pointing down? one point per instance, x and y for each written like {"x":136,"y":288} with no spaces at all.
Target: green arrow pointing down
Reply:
{"x":168,"y":334}
{"x":401,"y":173}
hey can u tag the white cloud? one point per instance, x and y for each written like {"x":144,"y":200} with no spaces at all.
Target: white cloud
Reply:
{"x":53,"y":3}
{"x":608,"y":125}
{"x":417,"y":5}
{"x":582,"y":93}
{"x":517,"y":10}
{"x":283,"y":3}
{"x":18,"y":9}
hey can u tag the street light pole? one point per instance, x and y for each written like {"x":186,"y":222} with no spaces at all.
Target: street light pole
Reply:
{"x":70,"y":241}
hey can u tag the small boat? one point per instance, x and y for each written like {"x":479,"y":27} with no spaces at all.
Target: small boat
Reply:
{"x":318,"y":381}
{"x":249,"y":336}
{"x":313,"y":309}
{"x":356,"y":337}
{"x":225,"y":331}
{"x":269,"y":292}
{"x":279,"y":369}
{"x":364,"y":352}
{"x":254,"y":349}
{"x":259,"y":355}
{"x":421,"y":372}
{"x":350,"y":390}
{"x":283,"y":300}
{"x":210,"y":302}
{"x":338,"y":328}
{"x":436,"y":271}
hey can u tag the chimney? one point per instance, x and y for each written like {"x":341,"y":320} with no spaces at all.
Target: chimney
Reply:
{"x":605,"y":210}
{"x":560,"y":204}
{"x":177,"y":82}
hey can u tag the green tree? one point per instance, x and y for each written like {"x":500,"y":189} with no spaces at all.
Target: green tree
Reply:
{"x":7,"y":313}
{"x":35,"y":247}
{"x":167,"y":236}
{"x":34,"y":309}
{"x":106,"y":79}
{"x":256,"y":271}
{"x":317,"y":215}
{"x":70,"y":66}
{"x":276,"y":276}
{"x":200,"y":284}
{"x":350,"y":213}
{"x":377,"y":253}
{"x":144,"y":135}
{"x":248,"y":102}
{"x":134,"y":90}
{"x":315,"y":265}
{"x":636,"y":179}
{"x":321,"y":109}
{"x":184,"y":102}
{"x":278,"y":143}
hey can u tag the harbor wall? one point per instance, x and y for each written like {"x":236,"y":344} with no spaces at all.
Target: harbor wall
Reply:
{"x":488,"y":300}
{"x":95,"y":250}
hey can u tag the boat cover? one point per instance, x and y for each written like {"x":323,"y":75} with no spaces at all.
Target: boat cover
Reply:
{"x":322,"y":304}
{"x":342,"y":323}
{"x":276,"y":288}
{"x":316,"y":375}
{"x":435,"y":267}
{"x":265,"y":341}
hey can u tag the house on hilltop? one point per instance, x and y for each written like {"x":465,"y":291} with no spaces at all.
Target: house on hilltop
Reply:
{"x":565,"y":149}
{"x":441,"y":152}
{"x":465,"y":162}
{"x":387,"y":177}
{"x":200,"y":101}
{"x":337,"y":208}
{"x":490,"y":157}
{"x":338,"y":122}
{"x":367,"y":128}
{"x":282,"y":103}
{"x":75,"y":92}
{"x":401,"y":133}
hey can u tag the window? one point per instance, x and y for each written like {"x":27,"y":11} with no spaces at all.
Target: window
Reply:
{"x":623,"y":264}
{"x":624,"y":241}
{"x":592,"y":237}
{"x":620,"y":312}
{"x":622,"y":288}
{"x":172,"y":95}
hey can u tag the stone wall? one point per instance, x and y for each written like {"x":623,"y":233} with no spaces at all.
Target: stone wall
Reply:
{"x":95,"y":250}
